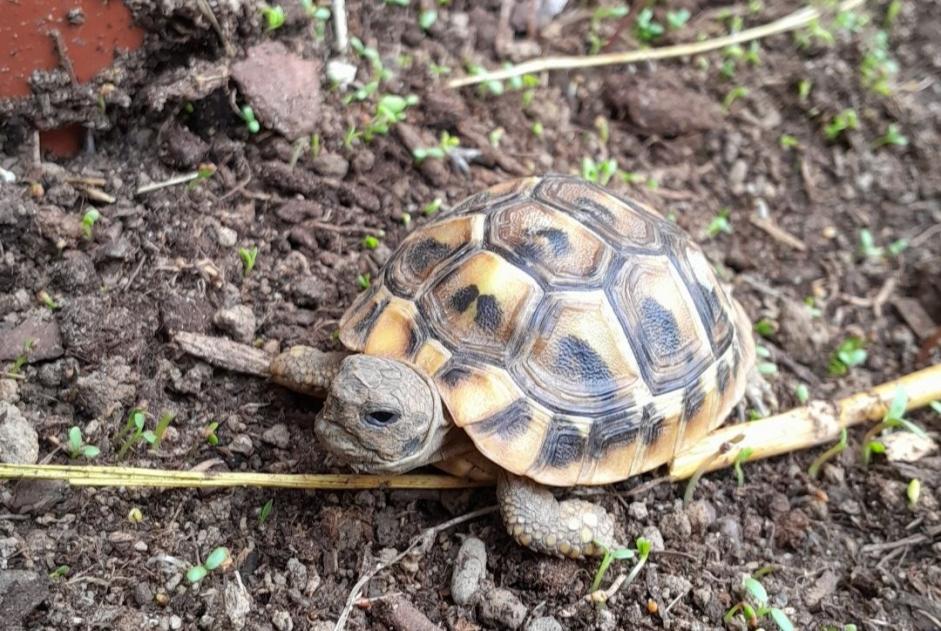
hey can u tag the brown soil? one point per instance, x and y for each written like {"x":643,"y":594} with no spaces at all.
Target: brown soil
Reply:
{"x":845,"y":549}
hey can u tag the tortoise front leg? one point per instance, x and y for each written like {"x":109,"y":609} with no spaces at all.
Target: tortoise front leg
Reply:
{"x":536,"y":519}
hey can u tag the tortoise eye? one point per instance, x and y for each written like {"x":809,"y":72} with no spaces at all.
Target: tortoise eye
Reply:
{"x":380,"y":418}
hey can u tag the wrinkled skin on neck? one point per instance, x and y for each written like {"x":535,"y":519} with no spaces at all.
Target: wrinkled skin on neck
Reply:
{"x":382,"y":416}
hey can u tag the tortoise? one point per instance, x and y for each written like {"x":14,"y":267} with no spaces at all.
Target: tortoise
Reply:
{"x":544,"y":332}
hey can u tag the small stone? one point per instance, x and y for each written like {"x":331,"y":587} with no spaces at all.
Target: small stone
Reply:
{"x":702,"y":596}
{"x":340,"y":73}
{"x":469,"y":569}
{"x":111,"y":387}
{"x":143,"y":594}
{"x":824,"y":586}
{"x":638,"y":511}
{"x":176,"y":622}
{"x":834,"y":473}
{"x":309,"y":292}
{"x":331,"y":165}
{"x":297,"y":572}
{"x":546,"y":623}
{"x":676,"y":527}
{"x":140,"y":546}
{"x":654,"y":536}
{"x":363,"y":161}
{"x":501,"y":606}
{"x":737,"y":176}
{"x":606,"y":620}
{"x":238,"y":603}
{"x":74,"y":272}
{"x":237,"y":321}
{"x":277,"y":435}
{"x":19,"y":442}
{"x":779,"y":504}
{"x":730,"y":529}
{"x":226,"y":237}
{"x":21,"y":591}
{"x":242,"y":444}
{"x":173,"y":582}
{"x":36,"y":339}
{"x":701,"y":514}
{"x":282,"y":620}
{"x":323,"y":625}
{"x":9,"y":391}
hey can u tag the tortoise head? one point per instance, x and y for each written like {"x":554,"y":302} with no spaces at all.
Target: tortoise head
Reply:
{"x":381,"y":416}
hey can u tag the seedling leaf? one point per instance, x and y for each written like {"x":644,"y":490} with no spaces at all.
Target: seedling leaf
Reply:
{"x":781,"y":619}
{"x":756,"y":590}
{"x":216,"y":558}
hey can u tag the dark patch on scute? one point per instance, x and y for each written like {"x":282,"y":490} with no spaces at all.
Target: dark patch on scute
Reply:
{"x":510,"y":422}
{"x":414,"y":340}
{"x":464,"y":297}
{"x":578,"y":362}
{"x":489,"y":314}
{"x":693,"y":398}
{"x":562,"y":446}
{"x":454,"y":376}
{"x":660,"y":328}
{"x":424,"y":255}
{"x":652,"y":422}
{"x":369,"y":319}
{"x":557,"y":239}
{"x":722,"y":376}
{"x":613,"y":432}
{"x":718,"y":320}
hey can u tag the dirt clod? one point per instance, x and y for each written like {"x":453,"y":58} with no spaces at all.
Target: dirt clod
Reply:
{"x":237,"y":321}
{"x":19,"y":443}
{"x":469,"y":569}
{"x":502,"y":607}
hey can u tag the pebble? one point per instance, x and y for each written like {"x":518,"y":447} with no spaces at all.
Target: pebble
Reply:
{"x":503,"y":607}
{"x":737,"y":176}
{"x":21,"y":591}
{"x":282,"y":620}
{"x":340,"y":72}
{"x":331,"y":165}
{"x":676,"y":527}
{"x":701,"y":515}
{"x":653,"y":534}
{"x":277,"y":435}
{"x":297,"y":572}
{"x":546,"y":623}
{"x":74,"y":272}
{"x":730,"y":529}
{"x":9,"y":391}
{"x":226,"y":237}
{"x":19,"y":443}
{"x":143,"y":594}
{"x":638,"y":511}
{"x":238,"y":603}
{"x":140,"y":546}
{"x":606,"y":620}
{"x":237,"y":321}
{"x":309,"y":292}
{"x":469,"y":569}
{"x":176,"y":622}
{"x":242,"y":444}
{"x":42,"y":336}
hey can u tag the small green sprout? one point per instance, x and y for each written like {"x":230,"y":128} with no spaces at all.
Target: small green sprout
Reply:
{"x":78,"y":447}
{"x":406,"y":219}
{"x":894,"y":419}
{"x":161,"y":429}
{"x":813,"y":32}
{"x":849,"y":353}
{"x":892,"y":136}
{"x":491,"y":87}
{"x":787,"y":141}
{"x":389,"y":110}
{"x":314,"y":145}
{"x":274,"y":16}
{"x":595,"y":41}
{"x":22,"y":358}
{"x":320,"y":15}
{"x":135,"y":516}
{"x":765,"y":327}
{"x":398,"y":3}
{"x":248,"y":256}
{"x":350,"y":136}
{"x":892,"y":12}
{"x":845,"y":120}
{"x":645,"y":28}
{"x":133,"y":432}
{"x":251,"y":123}
{"x":765,"y":367}
{"x":811,"y":305}
{"x":802,"y":392}
{"x":754,"y":607}
{"x":437,"y":71}
{"x":88,"y":221}
{"x":427,"y":18}
{"x":740,"y":458}
{"x":432,"y":207}
{"x":752,"y":57}
{"x":677,"y":19}
{"x":850,"y":21}
{"x":913,"y":491}
{"x":631,"y":177}
{"x":601,"y":172}
{"x":814,"y":470}
{"x":265,"y":511}
{"x":203,"y":172}
{"x":218,"y":558}
{"x":495,"y":136}
{"x":209,"y":433}
{"x":370,"y":242}
{"x":446,"y":145}
{"x":803,"y":89}
{"x":60,"y":572}
{"x":642,"y":552}
{"x":733,"y":95}
{"x":47,"y":300}
{"x":537,"y":129}
{"x":878,"y":68}
{"x":604,"y":133}
{"x":363,"y":281}
{"x":897,"y":247}
{"x":720,"y":224}
{"x":867,"y":245}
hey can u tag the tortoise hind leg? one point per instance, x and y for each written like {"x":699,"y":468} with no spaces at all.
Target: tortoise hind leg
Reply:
{"x":536,"y":519}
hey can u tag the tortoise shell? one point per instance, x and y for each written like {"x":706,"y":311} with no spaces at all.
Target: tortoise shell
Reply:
{"x":577,"y":337}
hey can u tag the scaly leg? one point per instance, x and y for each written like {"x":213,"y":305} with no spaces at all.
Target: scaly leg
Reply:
{"x":573,"y":528}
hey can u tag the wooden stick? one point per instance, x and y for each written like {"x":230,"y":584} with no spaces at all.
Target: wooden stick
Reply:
{"x":79,"y":475}
{"x":814,"y":424}
{"x":791,"y":22}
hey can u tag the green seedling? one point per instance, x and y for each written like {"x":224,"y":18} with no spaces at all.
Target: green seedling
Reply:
{"x":844,"y":121}
{"x":878,"y":68}
{"x":537,"y":129}
{"x":362,"y":93}
{"x":754,"y":607}
{"x":427,"y":18}
{"x":389,"y":110}
{"x":595,"y":41}
{"x":599,"y":172}
{"x":432,"y":207}
{"x":320,"y":16}
{"x":161,"y":429}
{"x":134,"y":432}
{"x":850,"y":21}
{"x":251,"y":123}
{"x":733,"y":95}
{"x":811,"y":305}
{"x":814,"y":32}
{"x":487,"y":88}
{"x":802,"y":393}
{"x":88,"y":221}
{"x":631,"y":177}
{"x":720,"y":224}
{"x":752,"y":56}
{"x":60,"y":572}
{"x":265,"y":512}
{"x":894,"y":419}
{"x":78,"y":448}
{"x":645,"y":28}
{"x":274,"y":16}
{"x":209,"y":432}
{"x":495,"y":136}
{"x":398,"y":3}
{"x":135,"y":516}
{"x":892,"y":13}
{"x":363,"y":281}
{"x":869,"y":249}
{"x":912,"y":492}
{"x":892,"y":136}
{"x":47,"y":300}
{"x":765,"y":327}
{"x":314,"y":145}
{"x":218,"y":558}
{"x":248,"y":256}
{"x":740,"y":458}
{"x":604,"y":132}
{"x":370,"y":242}
{"x":804,"y":87}
{"x":350,"y":136}
{"x":765,"y":367}
{"x":814,"y":470}
{"x":787,"y":141}
{"x":848,"y":354}
{"x":20,"y":360}
{"x":203,"y":172}
{"x":446,"y":145}
{"x":437,"y":71}
{"x":642,"y":552}
{"x":677,"y":19}
{"x":406,"y":219}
